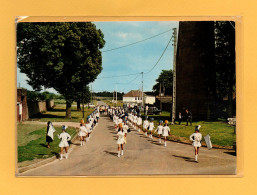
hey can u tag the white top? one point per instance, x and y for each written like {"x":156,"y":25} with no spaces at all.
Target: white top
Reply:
{"x":159,"y":129}
{"x":166,"y":131}
{"x":151,"y":126}
{"x":139,"y":121}
{"x":121,"y":136}
{"x":125,"y":128}
{"x":145,"y":124}
{"x":119,"y":120}
{"x":197,"y":137}
{"x":97,"y":114}
{"x":88,"y":127}
{"x":64,"y":137}
{"x":135,"y":119}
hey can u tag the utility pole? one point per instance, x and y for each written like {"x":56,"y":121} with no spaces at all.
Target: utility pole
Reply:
{"x":83,"y":102}
{"x":116,"y":96}
{"x":91,"y":95}
{"x":160,"y":95}
{"x":142,"y":89}
{"x":174,"y":76}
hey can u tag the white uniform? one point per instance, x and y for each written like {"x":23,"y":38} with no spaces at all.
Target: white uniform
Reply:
{"x":121,"y":136}
{"x":151,"y":126}
{"x":159,"y":129}
{"x":88,"y":128}
{"x":166,"y":131}
{"x":125,"y":128}
{"x":145,"y":124}
{"x":82,"y":131}
{"x":135,"y":119}
{"x":65,"y":137}
{"x":197,"y":139}
{"x":119,"y":121}
{"x":139,"y":121}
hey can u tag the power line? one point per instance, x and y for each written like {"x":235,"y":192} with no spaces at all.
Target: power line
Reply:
{"x":160,"y":56}
{"x":117,"y":76}
{"x":137,"y":41}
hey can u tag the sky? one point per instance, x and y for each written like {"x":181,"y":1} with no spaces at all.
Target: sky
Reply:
{"x":134,"y":59}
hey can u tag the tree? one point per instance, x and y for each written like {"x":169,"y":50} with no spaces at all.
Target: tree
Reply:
{"x":61,"y":55}
{"x":225,"y":65}
{"x":165,"y":79}
{"x":81,"y":96}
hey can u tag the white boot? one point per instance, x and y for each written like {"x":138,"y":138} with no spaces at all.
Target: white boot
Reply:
{"x":151,"y":136}
{"x":165,"y":144}
{"x":145,"y":133}
{"x":61,"y":156}
{"x":121,"y":152}
{"x":196,"y":158}
{"x":81,"y":143}
{"x":160,"y":141}
{"x":66,"y":156}
{"x":118,"y":153}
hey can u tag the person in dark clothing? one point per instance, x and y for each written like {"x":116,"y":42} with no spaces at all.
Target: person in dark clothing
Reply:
{"x":188,"y":117}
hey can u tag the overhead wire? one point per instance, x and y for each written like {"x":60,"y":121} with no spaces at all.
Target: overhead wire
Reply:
{"x":136,"y":41}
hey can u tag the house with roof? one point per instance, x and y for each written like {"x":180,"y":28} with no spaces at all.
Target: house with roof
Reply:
{"x":135,"y":97}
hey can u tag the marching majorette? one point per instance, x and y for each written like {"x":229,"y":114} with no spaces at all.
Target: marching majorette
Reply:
{"x":145,"y":125}
{"x":166,"y":132}
{"x":82,"y":133}
{"x":135,"y":121}
{"x":196,"y":137}
{"x":49,"y":133}
{"x":64,"y":137}
{"x":125,"y":128}
{"x":151,"y":127}
{"x":97,"y":117}
{"x":159,"y":130}
{"x":121,"y":139}
{"x":88,"y":130}
{"x":139,"y":123}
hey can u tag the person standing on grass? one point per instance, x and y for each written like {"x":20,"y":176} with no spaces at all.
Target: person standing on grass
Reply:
{"x":151,"y":127}
{"x":64,"y":137}
{"x":166,"y":132}
{"x":145,"y":125}
{"x":49,"y":133}
{"x":189,"y":117}
{"x":82,"y":133}
{"x":121,"y":140}
{"x":159,"y":130}
{"x":196,"y":138}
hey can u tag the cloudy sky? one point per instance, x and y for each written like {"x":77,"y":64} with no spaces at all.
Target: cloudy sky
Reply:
{"x":134,"y":59}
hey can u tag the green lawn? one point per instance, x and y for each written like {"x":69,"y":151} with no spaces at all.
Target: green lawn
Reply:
{"x":58,"y":114}
{"x":32,"y":142}
{"x":221,"y":133}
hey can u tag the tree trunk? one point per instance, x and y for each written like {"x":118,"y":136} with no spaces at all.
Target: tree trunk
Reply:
{"x":68,"y":109}
{"x":78,"y":106}
{"x":230,"y":104}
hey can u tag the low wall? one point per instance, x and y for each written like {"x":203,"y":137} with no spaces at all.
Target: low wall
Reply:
{"x":39,"y":107}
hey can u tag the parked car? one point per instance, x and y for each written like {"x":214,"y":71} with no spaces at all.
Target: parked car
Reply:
{"x":154,"y":111}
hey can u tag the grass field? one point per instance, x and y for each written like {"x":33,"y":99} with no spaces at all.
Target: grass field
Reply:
{"x":110,"y":103}
{"x":58,"y":114}
{"x":32,"y":142}
{"x":220,"y":132}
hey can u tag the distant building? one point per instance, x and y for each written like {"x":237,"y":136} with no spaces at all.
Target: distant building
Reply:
{"x":135,"y":97}
{"x":22,"y":107}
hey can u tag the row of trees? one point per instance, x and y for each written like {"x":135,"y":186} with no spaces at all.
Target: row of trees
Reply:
{"x":63,"y":56}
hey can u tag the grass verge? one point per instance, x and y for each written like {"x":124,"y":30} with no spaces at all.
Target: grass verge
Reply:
{"x":32,"y":142}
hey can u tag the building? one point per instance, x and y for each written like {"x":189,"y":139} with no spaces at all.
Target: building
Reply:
{"x":22,"y":107}
{"x":195,"y":70}
{"x":164,"y":103}
{"x":135,"y":97}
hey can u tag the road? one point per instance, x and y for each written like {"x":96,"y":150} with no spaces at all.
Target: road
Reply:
{"x":142,"y":156}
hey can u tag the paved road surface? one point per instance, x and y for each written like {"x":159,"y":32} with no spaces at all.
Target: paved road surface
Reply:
{"x":142,"y":156}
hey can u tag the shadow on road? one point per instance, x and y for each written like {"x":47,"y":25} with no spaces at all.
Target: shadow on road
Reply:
{"x":185,"y":158}
{"x":231,"y":153}
{"x":111,"y":153}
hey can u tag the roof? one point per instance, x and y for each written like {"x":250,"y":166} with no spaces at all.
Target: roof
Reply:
{"x":134,"y":93}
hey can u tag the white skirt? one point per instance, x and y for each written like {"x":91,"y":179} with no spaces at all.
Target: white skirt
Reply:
{"x":81,"y":134}
{"x":63,"y":144}
{"x":165,"y":134}
{"x":159,"y":132}
{"x":196,"y":144}
{"x":120,"y":141}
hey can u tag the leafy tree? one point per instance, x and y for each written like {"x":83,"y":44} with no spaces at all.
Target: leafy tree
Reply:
{"x":61,"y":55}
{"x":85,"y":94}
{"x":225,"y":65}
{"x":166,"y":80}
